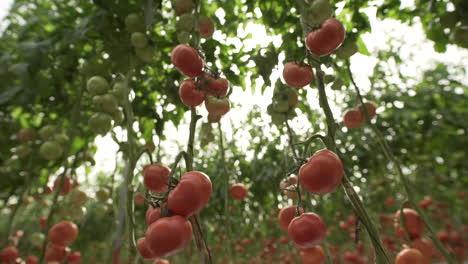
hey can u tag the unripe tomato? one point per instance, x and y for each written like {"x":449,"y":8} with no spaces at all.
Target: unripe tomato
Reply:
{"x":371,"y":109}
{"x":191,"y":194}
{"x":9,"y":254}
{"x":296,"y":75}
{"x":314,"y":255}
{"x":189,"y":94}
{"x":106,"y":103}
{"x":307,"y":230}
{"x":168,"y":235}
{"x":213,"y":118}
{"x":63,"y":233}
{"x":32,"y":260}
{"x":322,"y":173}
{"x":102,"y":195}
{"x":100,"y":123}
{"x":78,"y":198}
{"x":155,"y":177}
{"x":206,"y":27}
{"x":120,"y":91}
{"x":74,"y":257}
{"x":143,"y":249}
{"x":118,"y":117}
{"x":55,"y":253}
{"x":138,"y":40}
{"x":65,"y":187}
{"x":97,"y":85}
{"x":286,"y":215}
{"x":410,"y":256}
{"x":185,"y":23}
{"x":187,"y":60}
{"x":145,"y":54}
{"x":238,"y":191}
{"x":318,"y":12}
{"x":36,"y":239}
{"x":26,"y":134}
{"x":135,"y":23}
{"x":217,"y":106}
{"x":413,"y":223}
{"x":353,"y":118}
{"x":348,"y":49}
{"x":152,"y":214}
{"x":50,"y":150}
{"x":183,"y":6}
{"x":47,"y":131}
{"x":327,"y":38}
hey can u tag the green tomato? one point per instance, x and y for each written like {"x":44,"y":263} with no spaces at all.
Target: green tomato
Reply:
{"x":23,"y":151}
{"x":118,"y":117}
{"x":270,"y":109}
{"x":183,"y":6}
{"x":185,"y":23}
{"x":106,"y":103}
{"x":37,"y":239}
{"x":139,"y":40}
{"x":348,"y":49}
{"x":281,"y":106}
{"x":97,"y":85}
{"x":76,"y":212}
{"x":319,"y":11}
{"x":100,"y":123}
{"x":50,"y":150}
{"x":184,"y":37}
{"x":293,"y":99}
{"x":291,"y":113}
{"x":135,"y":23}
{"x":61,"y":138}
{"x":47,"y":131}
{"x":145,"y":54}
{"x":278,"y":118}
{"x":78,"y":197}
{"x":120,"y":91}
{"x":101,"y":209}
{"x":102,"y":195}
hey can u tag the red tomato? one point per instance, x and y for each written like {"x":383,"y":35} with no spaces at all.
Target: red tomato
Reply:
{"x":42,"y":222}
{"x":425,"y":203}
{"x":314,"y":255}
{"x":144,"y":250}
{"x":66,"y":185}
{"x":63,"y":233}
{"x":327,"y":39}
{"x":238,"y":191}
{"x":74,"y":257}
{"x":443,"y":236}
{"x":191,"y":195}
{"x":206,"y":27}
{"x":190,"y":95}
{"x":55,"y":253}
{"x":152,"y":214}
{"x":32,"y":260}
{"x":322,"y":173}
{"x":155,"y":177}
{"x":389,"y":201}
{"x":9,"y":254}
{"x":218,"y":87}
{"x":139,"y":198}
{"x":353,"y":118}
{"x":371,"y":109}
{"x":414,"y":224}
{"x":296,"y":75}
{"x":286,"y":215}
{"x":307,"y":230}
{"x":187,"y":60}
{"x":168,"y":235}
{"x":283,"y":240}
{"x":410,"y":256}
{"x":424,"y":246}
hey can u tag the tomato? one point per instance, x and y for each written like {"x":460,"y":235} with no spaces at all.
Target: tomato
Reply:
{"x":42,"y":222}
{"x":297,"y":75}
{"x":186,"y":60}
{"x":283,"y":240}
{"x":66,"y":185}
{"x":55,"y":253}
{"x":135,"y":23}
{"x":74,"y":257}
{"x":162,"y":261}
{"x":286,"y":215}
{"x":78,"y":198}
{"x":353,"y":118}
{"x":191,"y":194}
{"x":138,"y":40}
{"x":212,"y":118}
{"x":168,"y":235}
{"x":100,"y":123}
{"x":106,"y":103}
{"x":322,"y":173}
{"x":152,"y":214}
{"x":389,"y":201}
{"x":36,"y":239}
{"x":238,"y":191}
{"x":443,"y":236}
{"x":102,"y":195}
{"x":425,"y":203}
{"x":217,"y":106}
{"x":51,"y":150}
{"x":328,"y":38}
{"x":410,"y":256}
{"x":32,"y":260}
{"x":63,"y":233}
{"x":155,"y":177}
{"x":185,"y":23}
{"x":143,"y":249}
{"x":206,"y":27}
{"x":424,"y":246}
{"x":145,"y":54}
{"x":139,"y":198}
{"x":9,"y":254}
{"x":97,"y":85}
{"x":183,"y":6}
{"x":190,"y":95}
{"x":314,"y":255}
{"x":413,"y":223}
{"x":371,"y":109}
{"x":214,"y":86}
{"x":26,"y":134}
{"x":47,"y":132}
{"x":307,"y":230}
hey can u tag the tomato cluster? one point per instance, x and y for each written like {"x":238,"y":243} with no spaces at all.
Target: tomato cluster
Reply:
{"x":354,"y":118}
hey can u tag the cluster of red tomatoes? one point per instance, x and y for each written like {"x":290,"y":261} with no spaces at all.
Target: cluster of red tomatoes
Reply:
{"x":168,"y":230}
{"x":354,"y":118}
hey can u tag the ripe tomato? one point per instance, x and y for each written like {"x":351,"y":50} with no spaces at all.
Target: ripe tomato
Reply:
{"x":307,"y":230}
{"x":63,"y":233}
{"x":322,"y":173}
{"x":328,"y":38}
{"x":413,"y":223}
{"x":443,"y":236}
{"x":66,"y":185}
{"x":189,"y":94}
{"x":212,"y":118}
{"x":371,"y":109}
{"x":139,"y":198}
{"x":187,"y":60}
{"x":424,"y":246}
{"x":314,"y":255}
{"x":155,"y":177}
{"x":238,"y":191}
{"x":143,"y":249}
{"x":32,"y":260}
{"x":410,"y":256}
{"x":353,"y":118}
{"x":74,"y":257}
{"x":288,"y":183}
{"x":55,"y":253}
{"x":425,"y":203}
{"x":42,"y":222}
{"x":168,"y":235}
{"x":152,"y":214}
{"x":286,"y":215}
{"x":217,"y":106}
{"x":191,"y":195}
{"x":296,"y":75}
{"x":206,"y":27}
{"x":214,"y":86}
{"x":9,"y":254}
